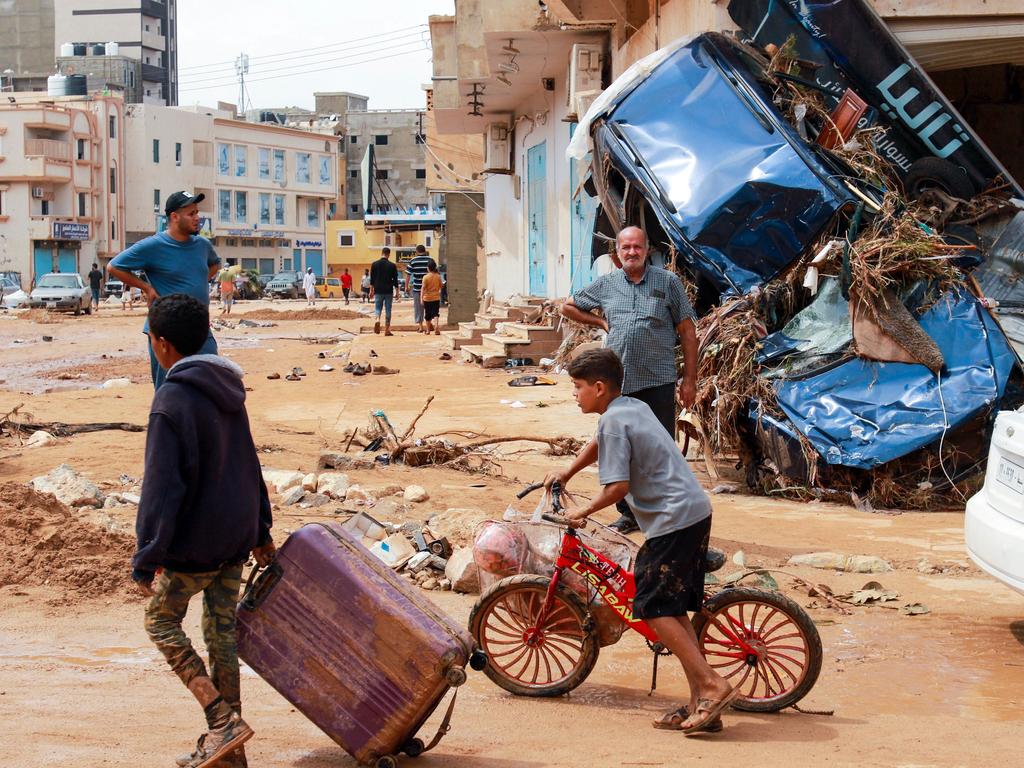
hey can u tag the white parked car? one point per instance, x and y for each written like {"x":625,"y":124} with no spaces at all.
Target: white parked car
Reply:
{"x":994,"y":521}
{"x":62,"y":291}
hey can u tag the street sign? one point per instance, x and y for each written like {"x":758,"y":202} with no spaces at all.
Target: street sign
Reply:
{"x":69,"y":230}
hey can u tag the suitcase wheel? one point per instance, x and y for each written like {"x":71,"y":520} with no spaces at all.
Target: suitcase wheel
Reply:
{"x":455,"y":676}
{"x":413,"y":747}
{"x":386,"y":762}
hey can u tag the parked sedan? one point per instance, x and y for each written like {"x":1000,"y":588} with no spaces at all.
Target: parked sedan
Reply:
{"x":994,"y":522}
{"x":64,"y":292}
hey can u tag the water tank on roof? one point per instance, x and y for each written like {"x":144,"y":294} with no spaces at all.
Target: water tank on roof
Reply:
{"x":66,"y":85}
{"x":113,"y":49}
{"x":99,"y":50}
{"x":67,"y":49}
{"x":79,"y":49}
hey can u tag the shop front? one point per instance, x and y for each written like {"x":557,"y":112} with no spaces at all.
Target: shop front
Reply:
{"x":61,"y":253}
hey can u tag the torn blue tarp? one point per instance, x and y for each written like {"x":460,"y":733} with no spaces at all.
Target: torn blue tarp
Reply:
{"x":863,"y":414}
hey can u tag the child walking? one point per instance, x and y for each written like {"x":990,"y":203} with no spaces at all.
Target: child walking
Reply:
{"x":639,"y":461}
{"x":430,"y":293}
{"x":204,"y":508}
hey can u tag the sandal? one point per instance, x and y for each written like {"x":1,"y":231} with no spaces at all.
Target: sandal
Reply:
{"x":273,"y":376}
{"x":292,"y":377}
{"x":673,"y":721}
{"x":711,"y":709}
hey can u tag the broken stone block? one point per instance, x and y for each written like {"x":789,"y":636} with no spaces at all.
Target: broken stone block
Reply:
{"x":430,"y":583}
{"x":333,"y":460}
{"x":313,"y":500}
{"x":280,"y":480}
{"x":292,"y":496}
{"x":116,"y":383}
{"x":839,"y":562}
{"x":39,"y":439}
{"x":462,"y":571}
{"x":456,"y":524}
{"x":355,"y":493}
{"x":333,"y":484}
{"x":130,"y":498}
{"x":309,"y":482}
{"x":418,"y":562}
{"x":445,"y":584}
{"x":416,"y":493}
{"x":69,"y":487}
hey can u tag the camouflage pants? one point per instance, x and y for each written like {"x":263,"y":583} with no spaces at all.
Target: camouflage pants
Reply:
{"x":167,"y":609}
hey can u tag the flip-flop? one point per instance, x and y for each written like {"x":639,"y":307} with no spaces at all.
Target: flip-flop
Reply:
{"x":713,"y":709}
{"x":673,"y":721}
{"x":273,"y":376}
{"x":292,"y":377}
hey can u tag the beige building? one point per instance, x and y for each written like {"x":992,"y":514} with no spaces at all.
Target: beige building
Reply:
{"x":267,"y":187}
{"x":62,"y":184}
{"x":519,"y":73}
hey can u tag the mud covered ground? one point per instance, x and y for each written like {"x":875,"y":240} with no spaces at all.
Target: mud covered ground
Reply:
{"x":81,"y":686}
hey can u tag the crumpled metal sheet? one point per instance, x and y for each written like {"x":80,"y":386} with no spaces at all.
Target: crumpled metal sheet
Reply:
{"x":863,"y":414}
{"x":740,"y":191}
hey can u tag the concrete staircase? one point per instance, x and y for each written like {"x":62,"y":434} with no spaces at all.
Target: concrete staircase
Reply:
{"x":512,"y":340}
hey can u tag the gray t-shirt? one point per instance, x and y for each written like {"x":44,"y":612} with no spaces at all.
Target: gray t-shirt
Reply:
{"x":633,"y":445}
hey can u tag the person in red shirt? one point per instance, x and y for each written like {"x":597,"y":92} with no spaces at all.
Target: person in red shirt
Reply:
{"x":346,"y":284}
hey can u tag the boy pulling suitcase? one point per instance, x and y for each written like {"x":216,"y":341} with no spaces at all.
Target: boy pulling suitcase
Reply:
{"x":204,"y":508}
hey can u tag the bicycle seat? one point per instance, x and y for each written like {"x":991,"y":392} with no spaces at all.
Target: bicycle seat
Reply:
{"x":713,"y":560}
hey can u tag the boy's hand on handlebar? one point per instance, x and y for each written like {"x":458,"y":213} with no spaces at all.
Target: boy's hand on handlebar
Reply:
{"x":578,"y":517}
{"x":556,"y":477}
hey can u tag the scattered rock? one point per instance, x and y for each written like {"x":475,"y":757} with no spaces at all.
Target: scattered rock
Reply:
{"x":309,"y":482}
{"x":420,"y":576}
{"x":312,"y":500}
{"x":333,"y":484}
{"x":390,"y":490}
{"x":292,"y":496}
{"x":445,"y":584}
{"x":131,"y":498}
{"x":355,"y":493}
{"x":280,"y":480}
{"x":456,"y":524}
{"x":838,"y":562}
{"x":430,"y":583}
{"x":462,"y":571}
{"x":740,"y":558}
{"x":416,"y":493}
{"x":418,"y":562}
{"x":333,"y":460}
{"x":116,"y":383}
{"x":69,"y":488}
{"x":40,"y":438}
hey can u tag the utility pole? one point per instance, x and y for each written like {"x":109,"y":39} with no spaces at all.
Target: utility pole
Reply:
{"x":241,"y":70}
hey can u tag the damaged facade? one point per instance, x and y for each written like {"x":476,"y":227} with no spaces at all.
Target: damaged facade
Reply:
{"x":805,"y":134}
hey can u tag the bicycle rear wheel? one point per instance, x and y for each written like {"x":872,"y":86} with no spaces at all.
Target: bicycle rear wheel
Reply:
{"x":527,"y":659}
{"x":786,"y":657}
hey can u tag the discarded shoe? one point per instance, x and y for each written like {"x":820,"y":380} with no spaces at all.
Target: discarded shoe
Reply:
{"x":373,"y":354}
{"x":362,"y":370}
{"x":531,"y":381}
{"x":625,"y":525}
{"x":383,"y":370}
{"x":216,"y":744}
{"x":445,"y":356}
{"x":321,"y":355}
{"x":298,"y":372}
{"x":325,"y":368}
{"x":273,"y":376}
{"x":292,"y":377}
{"x":349,"y":368}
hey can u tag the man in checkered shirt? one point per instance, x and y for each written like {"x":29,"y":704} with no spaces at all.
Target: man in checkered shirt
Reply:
{"x":646,"y":313}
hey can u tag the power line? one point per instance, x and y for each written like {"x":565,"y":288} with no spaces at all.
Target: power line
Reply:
{"x":297,"y":74}
{"x":382,"y":45}
{"x":221,"y":64}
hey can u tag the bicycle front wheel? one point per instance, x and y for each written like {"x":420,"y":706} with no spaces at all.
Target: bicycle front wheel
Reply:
{"x":785,"y":657}
{"x":526,"y":658}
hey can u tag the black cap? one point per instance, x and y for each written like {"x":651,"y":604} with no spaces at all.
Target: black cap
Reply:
{"x":179,"y":200}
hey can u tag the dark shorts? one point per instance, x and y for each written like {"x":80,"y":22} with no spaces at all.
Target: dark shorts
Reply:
{"x":431,"y":309}
{"x":669,"y":572}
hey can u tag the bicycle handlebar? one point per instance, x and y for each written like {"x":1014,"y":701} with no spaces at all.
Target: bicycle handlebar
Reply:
{"x":528,"y":490}
{"x":556,"y":494}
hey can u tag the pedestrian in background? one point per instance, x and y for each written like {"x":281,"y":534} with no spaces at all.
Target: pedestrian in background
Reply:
{"x":346,"y":284}
{"x":227,"y":292}
{"x":95,"y":280}
{"x":431,"y":293}
{"x":309,"y":286}
{"x":646,"y":313}
{"x":383,"y":283}
{"x":175,"y":261}
{"x":364,"y":287}
{"x":414,"y":272}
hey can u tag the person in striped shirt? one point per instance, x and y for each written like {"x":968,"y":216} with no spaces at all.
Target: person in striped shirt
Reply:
{"x":414,"y":272}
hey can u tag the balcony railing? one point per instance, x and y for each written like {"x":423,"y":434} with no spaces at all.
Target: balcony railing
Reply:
{"x":55,"y":150}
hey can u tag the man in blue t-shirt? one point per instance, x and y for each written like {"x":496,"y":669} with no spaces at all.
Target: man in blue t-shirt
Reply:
{"x":175,"y":261}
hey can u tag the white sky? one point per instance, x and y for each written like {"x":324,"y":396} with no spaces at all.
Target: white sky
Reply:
{"x":379,"y":48}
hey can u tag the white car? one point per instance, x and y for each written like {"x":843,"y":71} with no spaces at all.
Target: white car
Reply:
{"x":61,"y":291}
{"x":994,"y":521}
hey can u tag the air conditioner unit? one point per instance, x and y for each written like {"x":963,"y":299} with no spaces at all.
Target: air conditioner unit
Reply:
{"x":39,"y":192}
{"x":585,"y":65}
{"x":497,"y":150}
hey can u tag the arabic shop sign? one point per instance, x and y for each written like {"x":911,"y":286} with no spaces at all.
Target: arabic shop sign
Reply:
{"x":309,"y":244}
{"x":69,"y":230}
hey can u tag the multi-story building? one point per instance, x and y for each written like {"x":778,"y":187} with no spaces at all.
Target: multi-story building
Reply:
{"x":267,"y":186}
{"x":145,"y":30}
{"x":62,"y":184}
{"x":503,"y":69}
{"x":26,"y":38}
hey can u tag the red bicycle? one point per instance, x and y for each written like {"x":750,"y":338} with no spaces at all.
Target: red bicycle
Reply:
{"x":540,"y":636}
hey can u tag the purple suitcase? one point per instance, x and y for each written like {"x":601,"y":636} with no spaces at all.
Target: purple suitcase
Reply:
{"x":351,"y":646}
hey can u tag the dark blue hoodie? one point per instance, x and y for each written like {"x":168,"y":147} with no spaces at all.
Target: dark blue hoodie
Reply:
{"x":204,"y":503}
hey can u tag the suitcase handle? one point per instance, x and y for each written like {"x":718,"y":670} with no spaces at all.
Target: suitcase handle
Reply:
{"x":258,"y":589}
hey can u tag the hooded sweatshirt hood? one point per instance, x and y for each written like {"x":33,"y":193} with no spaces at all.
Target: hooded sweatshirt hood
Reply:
{"x":216,"y":377}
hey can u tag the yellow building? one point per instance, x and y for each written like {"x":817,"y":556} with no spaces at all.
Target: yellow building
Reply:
{"x":353,"y":245}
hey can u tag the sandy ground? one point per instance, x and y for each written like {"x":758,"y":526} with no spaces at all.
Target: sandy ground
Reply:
{"x":81,"y":686}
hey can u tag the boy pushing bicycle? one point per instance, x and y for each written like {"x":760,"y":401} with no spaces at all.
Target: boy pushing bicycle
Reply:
{"x":639,"y":461}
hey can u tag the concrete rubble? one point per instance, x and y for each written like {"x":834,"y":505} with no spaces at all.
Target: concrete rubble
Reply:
{"x":69,"y":487}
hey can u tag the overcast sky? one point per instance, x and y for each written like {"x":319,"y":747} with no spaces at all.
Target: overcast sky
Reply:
{"x":380,"y":49}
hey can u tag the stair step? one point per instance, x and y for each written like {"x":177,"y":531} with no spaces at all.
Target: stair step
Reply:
{"x":515,"y":346}
{"x":456,"y":339}
{"x":483,"y":356}
{"x":527,"y":331}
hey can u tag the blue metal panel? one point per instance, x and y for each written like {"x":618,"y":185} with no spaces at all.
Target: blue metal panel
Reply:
{"x":581,"y":226}
{"x":42,"y":262}
{"x":536,"y":190}
{"x":67,"y":259}
{"x":296,"y":259}
{"x":315,"y":259}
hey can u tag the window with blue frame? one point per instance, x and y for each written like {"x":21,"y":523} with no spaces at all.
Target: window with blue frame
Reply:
{"x":279,"y":209}
{"x":278,"y":165}
{"x":241,"y":204}
{"x":313,"y":213}
{"x":264,"y":207}
{"x":224,"y":204}
{"x":325,"y":169}
{"x":263,"y":160}
{"x":302,"y":167}
{"x":240,"y":159}
{"x":223,"y":159}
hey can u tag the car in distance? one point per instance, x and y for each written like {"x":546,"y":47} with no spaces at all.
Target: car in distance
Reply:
{"x":328,"y":287}
{"x":285,"y":285}
{"x":61,"y":291}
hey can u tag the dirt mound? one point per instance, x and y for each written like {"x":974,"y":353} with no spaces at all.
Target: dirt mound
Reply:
{"x":41,"y":316}
{"x":43,"y":543}
{"x":304,"y":314}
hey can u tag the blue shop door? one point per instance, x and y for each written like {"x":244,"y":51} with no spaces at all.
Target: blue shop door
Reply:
{"x":315,"y":259}
{"x":266,"y":266}
{"x":297,"y":260}
{"x":42,"y":262}
{"x":537,"y":218}
{"x":584,"y":212}
{"x":68,"y":260}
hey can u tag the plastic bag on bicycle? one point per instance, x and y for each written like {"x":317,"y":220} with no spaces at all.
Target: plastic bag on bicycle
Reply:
{"x":498,"y":557}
